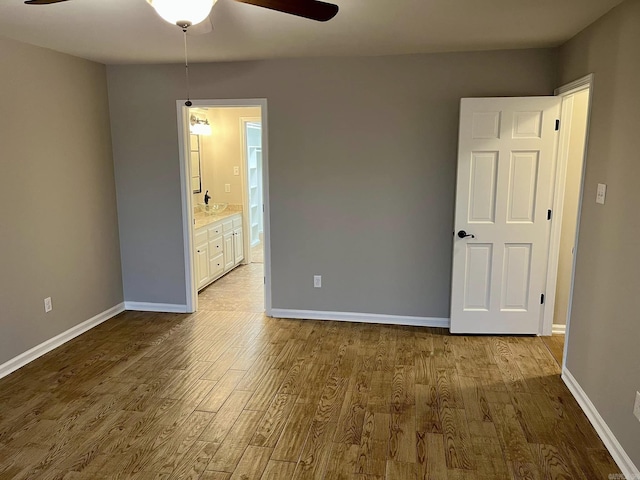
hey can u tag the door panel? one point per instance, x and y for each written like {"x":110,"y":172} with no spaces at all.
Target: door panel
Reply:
{"x":505,"y":166}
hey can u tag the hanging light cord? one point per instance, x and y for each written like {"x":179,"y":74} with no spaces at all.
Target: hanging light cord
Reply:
{"x":186,"y":68}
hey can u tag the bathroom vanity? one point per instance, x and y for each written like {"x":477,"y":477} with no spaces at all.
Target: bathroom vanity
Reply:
{"x":219,"y":245}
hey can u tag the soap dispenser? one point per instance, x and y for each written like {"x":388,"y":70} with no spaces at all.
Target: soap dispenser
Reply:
{"x":206,"y":197}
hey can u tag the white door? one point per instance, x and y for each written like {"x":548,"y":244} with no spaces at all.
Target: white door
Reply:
{"x":506,"y":159}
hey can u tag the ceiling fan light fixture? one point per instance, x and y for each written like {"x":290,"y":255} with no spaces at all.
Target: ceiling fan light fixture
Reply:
{"x":183,"y":13}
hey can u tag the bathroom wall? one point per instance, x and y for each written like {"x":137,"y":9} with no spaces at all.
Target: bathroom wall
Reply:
{"x":222,"y":151}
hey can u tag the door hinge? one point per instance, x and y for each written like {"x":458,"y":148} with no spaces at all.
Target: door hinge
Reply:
{"x":557,"y":125}
{"x":542,"y":299}
{"x":548,"y":214}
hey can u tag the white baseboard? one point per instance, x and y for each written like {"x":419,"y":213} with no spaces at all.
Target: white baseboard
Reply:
{"x":361,"y":318}
{"x":559,"y":329}
{"x":45,"y":347}
{"x":155,"y":307}
{"x":604,"y":432}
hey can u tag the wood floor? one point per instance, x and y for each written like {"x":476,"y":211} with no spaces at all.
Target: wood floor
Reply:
{"x":555,"y":344}
{"x":230,"y":394}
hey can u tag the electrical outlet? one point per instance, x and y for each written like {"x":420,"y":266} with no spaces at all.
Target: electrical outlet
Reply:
{"x":47,"y":305}
{"x":636,"y":407}
{"x":601,"y":195}
{"x":227,"y":187}
{"x":236,"y":170}
{"x":317,"y":281}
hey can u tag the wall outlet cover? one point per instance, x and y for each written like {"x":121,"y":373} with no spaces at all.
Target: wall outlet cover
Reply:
{"x":636,"y":407}
{"x":317,"y":281}
{"x":48,"y":306}
{"x":236,"y":170}
{"x":602,"y":193}
{"x":227,"y":188}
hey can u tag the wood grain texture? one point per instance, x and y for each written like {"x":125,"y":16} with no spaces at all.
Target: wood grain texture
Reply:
{"x":228,"y":393}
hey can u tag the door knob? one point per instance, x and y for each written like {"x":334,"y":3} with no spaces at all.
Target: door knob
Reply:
{"x":463,"y":234}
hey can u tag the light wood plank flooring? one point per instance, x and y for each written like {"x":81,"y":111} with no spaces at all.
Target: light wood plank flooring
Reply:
{"x":555,"y":344}
{"x":230,"y":394}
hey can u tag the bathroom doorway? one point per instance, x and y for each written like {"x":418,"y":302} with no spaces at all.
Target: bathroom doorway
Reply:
{"x":224,"y":167}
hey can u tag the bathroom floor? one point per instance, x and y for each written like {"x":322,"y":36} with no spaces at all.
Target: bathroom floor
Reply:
{"x":241,"y":290}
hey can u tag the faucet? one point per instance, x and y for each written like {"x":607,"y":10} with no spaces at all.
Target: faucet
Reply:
{"x":206,"y":197}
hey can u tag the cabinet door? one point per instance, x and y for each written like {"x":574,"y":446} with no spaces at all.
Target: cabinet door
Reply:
{"x":202,"y":264}
{"x":238,"y":245}
{"x":228,"y":251}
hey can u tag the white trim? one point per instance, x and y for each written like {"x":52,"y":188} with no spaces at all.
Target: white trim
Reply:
{"x":559,"y":329}
{"x":575,"y":86}
{"x":187,"y":195}
{"x":621,"y":458}
{"x":187,"y":207}
{"x":156,"y":307}
{"x":361,"y":318}
{"x":53,"y":343}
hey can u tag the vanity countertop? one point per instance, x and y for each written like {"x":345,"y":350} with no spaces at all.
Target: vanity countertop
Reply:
{"x":202,"y":220}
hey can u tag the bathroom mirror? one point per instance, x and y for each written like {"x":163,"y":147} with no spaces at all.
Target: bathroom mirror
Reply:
{"x":196,"y":173}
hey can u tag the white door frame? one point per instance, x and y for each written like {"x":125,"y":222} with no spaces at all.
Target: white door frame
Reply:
{"x":245,"y":185}
{"x":564,"y":91}
{"x":187,"y":195}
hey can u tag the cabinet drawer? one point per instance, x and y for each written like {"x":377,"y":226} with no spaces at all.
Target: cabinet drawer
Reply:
{"x":200,"y":237}
{"x":216,"y":266}
{"x":227,"y":226}
{"x":215,"y":246}
{"x":215,"y":231}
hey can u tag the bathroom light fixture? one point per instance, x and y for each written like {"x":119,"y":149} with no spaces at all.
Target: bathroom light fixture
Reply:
{"x":183,"y":13}
{"x":199,"y":127}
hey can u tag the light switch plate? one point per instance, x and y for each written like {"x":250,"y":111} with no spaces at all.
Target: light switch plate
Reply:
{"x":236,"y":171}
{"x":636,"y":407}
{"x":227,"y":188}
{"x":602,"y":193}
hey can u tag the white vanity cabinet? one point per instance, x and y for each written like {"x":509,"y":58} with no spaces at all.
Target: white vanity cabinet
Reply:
{"x":217,"y":248}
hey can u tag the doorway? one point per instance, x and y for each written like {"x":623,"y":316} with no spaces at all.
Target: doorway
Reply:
{"x":252,"y":151}
{"x":571,"y":158}
{"x":520,"y":181}
{"x":217,"y":218}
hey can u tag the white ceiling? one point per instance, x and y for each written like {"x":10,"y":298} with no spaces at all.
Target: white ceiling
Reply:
{"x":129,"y":31}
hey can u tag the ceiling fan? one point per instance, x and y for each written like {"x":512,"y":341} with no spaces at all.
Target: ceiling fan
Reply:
{"x":311,"y":9}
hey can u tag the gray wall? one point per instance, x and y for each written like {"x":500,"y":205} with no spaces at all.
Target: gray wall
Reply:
{"x":604,"y":330}
{"x":362,"y":159}
{"x":58,"y":220}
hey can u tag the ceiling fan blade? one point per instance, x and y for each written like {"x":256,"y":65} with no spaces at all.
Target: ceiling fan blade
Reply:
{"x":43,"y":2}
{"x":312,"y":9}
